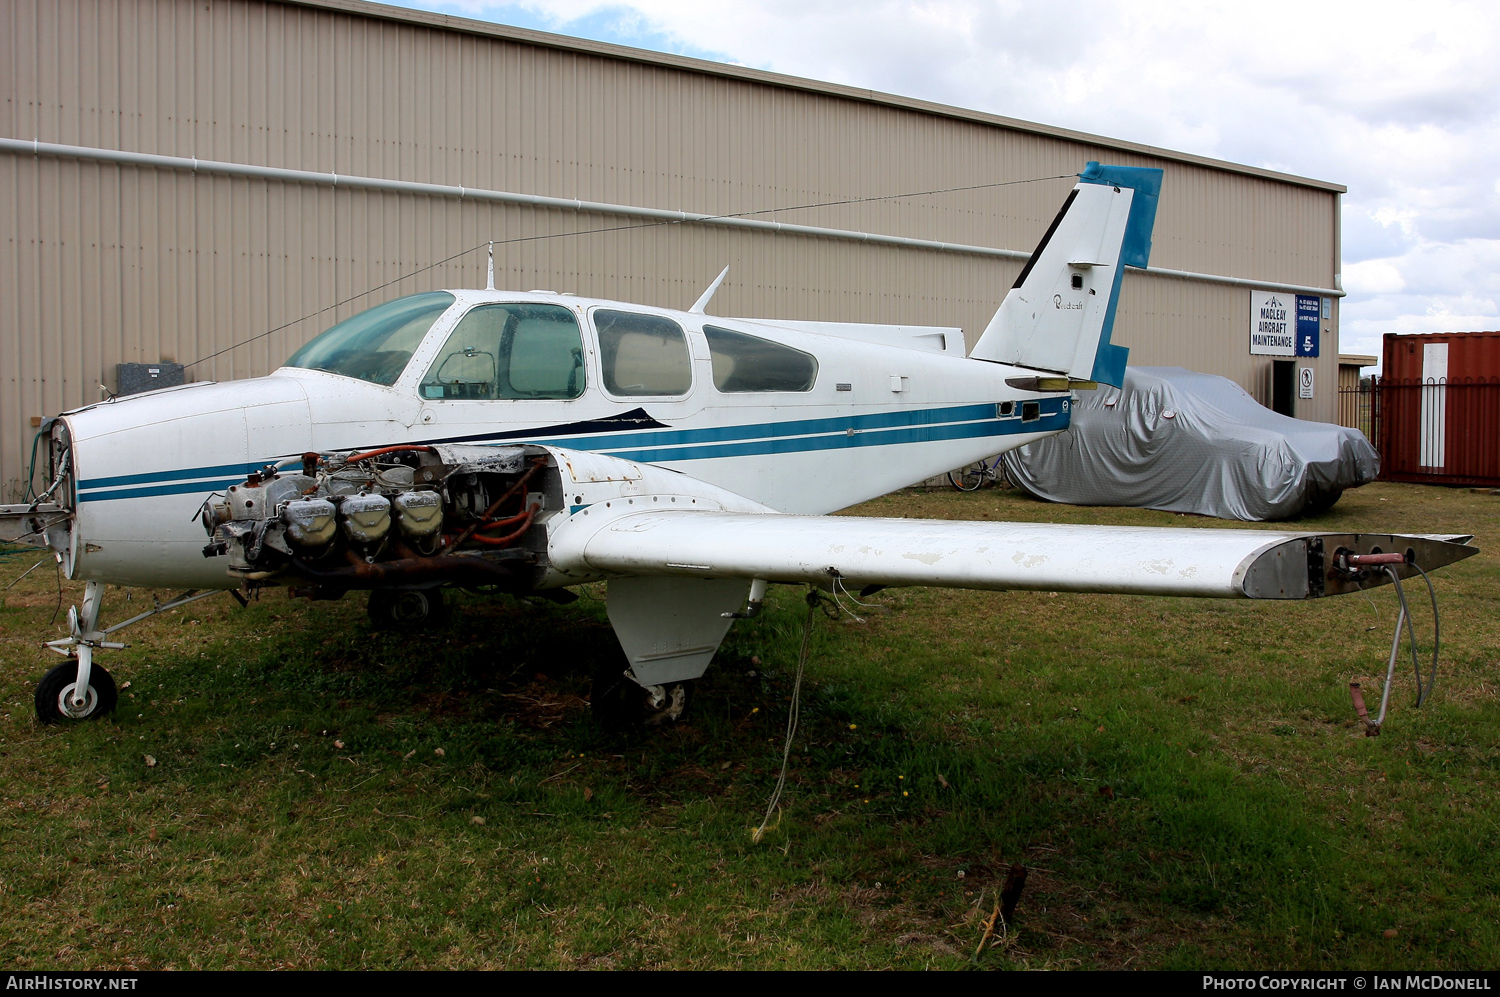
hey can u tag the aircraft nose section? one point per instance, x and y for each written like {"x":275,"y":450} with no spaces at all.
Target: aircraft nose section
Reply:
{"x":279,"y":427}
{"x":187,"y":441}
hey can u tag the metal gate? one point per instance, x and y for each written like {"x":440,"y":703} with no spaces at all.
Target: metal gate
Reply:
{"x":1440,"y":431}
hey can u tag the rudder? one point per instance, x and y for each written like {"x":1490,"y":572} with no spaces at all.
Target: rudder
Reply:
{"x":1060,"y":313}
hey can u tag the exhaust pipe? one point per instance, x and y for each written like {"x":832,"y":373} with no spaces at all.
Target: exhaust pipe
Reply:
{"x":461,"y":569}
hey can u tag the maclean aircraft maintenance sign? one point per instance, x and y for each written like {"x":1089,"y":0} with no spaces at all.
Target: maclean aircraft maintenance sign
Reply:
{"x":1284,"y":325}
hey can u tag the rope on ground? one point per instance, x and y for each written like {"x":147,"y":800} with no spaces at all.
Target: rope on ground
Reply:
{"x":813,"y":599}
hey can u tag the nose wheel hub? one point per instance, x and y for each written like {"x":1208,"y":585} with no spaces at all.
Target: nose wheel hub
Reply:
{"x":69,"y":705}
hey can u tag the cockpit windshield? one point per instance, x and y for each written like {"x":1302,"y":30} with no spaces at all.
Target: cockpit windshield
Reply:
{"x":375,"y":345}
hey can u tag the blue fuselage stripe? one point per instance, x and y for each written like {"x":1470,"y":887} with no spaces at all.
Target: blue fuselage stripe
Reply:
{"x":843,"y":441}
{"x":801,"y":427}
{"x":236,"y":470}
{"x":877,"y":429}
{"x":177,"y":488}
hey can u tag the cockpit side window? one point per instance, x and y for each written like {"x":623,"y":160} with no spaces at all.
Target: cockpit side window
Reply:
{"x":509,"y":351}
{"x":642,"y":354}
{"x":375,"y":345}
{"x":748,"y":363}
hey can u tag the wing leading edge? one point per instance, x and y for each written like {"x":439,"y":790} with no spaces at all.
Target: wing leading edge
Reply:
{"x":1203,"y":563}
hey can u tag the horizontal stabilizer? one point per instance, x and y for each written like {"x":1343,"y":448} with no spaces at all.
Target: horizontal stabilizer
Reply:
{"x":1060,"y":314}
{"x":1210,"y":563}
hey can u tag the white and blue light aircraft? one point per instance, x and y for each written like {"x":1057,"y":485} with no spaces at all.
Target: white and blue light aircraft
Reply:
{"x":534,"y":441}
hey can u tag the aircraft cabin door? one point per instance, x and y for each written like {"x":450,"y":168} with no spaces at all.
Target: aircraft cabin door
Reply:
{"x":507,"y":368}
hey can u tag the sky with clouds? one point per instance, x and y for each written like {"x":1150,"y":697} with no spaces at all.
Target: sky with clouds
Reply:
{"x":1400,"y":102}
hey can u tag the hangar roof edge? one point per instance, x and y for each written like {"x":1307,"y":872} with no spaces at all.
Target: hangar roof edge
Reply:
{"x":451,"y":22}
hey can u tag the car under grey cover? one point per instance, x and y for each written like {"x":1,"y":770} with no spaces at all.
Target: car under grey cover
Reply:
{"x":1180,"y":441}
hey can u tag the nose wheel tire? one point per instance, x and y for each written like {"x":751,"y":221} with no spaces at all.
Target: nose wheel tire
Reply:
{"x":405,"y":609}
{"x":54,"y":695}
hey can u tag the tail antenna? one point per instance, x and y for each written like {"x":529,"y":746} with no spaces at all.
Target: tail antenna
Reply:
{"x":489,"y":284}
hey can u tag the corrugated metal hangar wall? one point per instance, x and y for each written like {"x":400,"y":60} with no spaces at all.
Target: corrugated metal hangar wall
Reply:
{"x":109,"y":257}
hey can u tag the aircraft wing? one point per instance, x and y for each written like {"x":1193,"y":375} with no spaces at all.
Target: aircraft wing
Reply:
{"x":1205,"y":563}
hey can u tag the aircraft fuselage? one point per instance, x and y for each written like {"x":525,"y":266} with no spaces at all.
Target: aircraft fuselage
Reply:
{"x":874,"y":417}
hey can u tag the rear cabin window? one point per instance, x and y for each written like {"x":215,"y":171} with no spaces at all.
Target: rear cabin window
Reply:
{"x":642,"y":354}
{"x":749,"y":363}
{"x":510,"y":351}
{"x":375,"y":345}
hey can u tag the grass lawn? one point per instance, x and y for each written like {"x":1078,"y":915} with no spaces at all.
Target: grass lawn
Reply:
{"x":1185,"y":781}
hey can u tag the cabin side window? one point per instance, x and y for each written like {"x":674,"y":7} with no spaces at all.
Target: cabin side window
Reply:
{"x":749,"y":363}
{"x":642,"y":354}
{"x":509,"y":351}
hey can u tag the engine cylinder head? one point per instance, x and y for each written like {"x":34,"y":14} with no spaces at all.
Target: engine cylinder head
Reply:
{"x":310,"y":522}
{"x":419,"y":514}
{"x":247,"y":501}
{"x":367,"y":518}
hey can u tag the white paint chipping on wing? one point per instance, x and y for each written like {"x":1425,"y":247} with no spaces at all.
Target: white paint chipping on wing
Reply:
{"x":983,"y":555}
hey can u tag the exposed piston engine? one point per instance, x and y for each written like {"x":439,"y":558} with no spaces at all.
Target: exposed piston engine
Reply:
{"x":406,"y":516}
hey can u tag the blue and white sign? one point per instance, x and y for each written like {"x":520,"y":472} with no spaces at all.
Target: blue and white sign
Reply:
{"x":1284,"y":325}
{"x":1309,"y":310}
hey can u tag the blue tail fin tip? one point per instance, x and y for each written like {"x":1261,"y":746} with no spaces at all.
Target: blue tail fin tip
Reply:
{"x":1146,"y":182}
{"x":1109,"y":359}
{"x":1109,"y":364}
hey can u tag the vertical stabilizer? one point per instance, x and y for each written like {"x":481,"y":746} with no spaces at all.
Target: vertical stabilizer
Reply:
{"x":1059,"y":315}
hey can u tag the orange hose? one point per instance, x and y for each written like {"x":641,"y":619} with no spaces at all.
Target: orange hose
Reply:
{"x":502,"y":541}
{"x":385,"y":450}
{"x":495,"y":523}
{"x":536,"y":465}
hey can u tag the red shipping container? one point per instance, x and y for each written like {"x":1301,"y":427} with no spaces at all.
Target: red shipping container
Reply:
{"x":1437,"y":409}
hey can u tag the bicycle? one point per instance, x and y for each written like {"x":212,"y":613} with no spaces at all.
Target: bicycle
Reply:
{"x":973,"y":477}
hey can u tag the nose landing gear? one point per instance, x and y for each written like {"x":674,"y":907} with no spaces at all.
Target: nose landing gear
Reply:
{"x":79,"y":689}
{"x":57,"y":699}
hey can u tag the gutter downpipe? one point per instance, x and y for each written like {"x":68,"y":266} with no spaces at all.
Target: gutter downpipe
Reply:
{"x":336,"y":180}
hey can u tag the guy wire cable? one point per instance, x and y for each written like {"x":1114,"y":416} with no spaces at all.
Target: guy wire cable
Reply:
{"x":1437,"y":640}
{"x":617,"y":228}
{"x":1403,"y":616}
